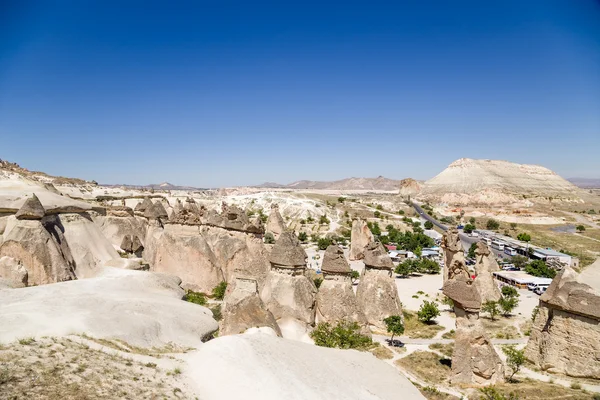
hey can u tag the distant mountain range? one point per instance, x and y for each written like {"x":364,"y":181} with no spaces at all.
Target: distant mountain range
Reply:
{"x":587,"y":183}
{"x":379,"y":183}
{"x":155,"y":186}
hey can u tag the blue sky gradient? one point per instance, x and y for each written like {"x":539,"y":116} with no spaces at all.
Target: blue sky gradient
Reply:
{"x":227,"y":93}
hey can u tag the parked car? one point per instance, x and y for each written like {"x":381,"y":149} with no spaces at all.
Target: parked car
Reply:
{"x":510,"y":267}
{"x":540,"y":290}
{"x":395,"y":342}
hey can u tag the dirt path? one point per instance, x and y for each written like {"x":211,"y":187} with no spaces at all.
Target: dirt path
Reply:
{"x":582,"y":220}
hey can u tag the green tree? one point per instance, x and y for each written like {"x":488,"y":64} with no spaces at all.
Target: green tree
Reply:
{"x":269,"y":238}
{"x":508,"y":304}
{"x":472,"y":221}
{"x":469,"y":228}
{"x":341,"y":199}
{"x":524,"y":237}
{"x":492,"y":224}
{"x":377,"y":214}
{"x":394,"y":325}
{"x":323,"y":243}
{"x":580,"y":228}
{"x":310,"y":220}
{"x":428,"y":312}
{"x":401,"y":212}
{"x":344,"y":335}
{"x":218,"y":291}
{"x":428,"y":225}
{"x":491,"y":307}
{"x":374,"y":228}
{"x":515,"y":359}
{"x":519,"y":261}
{"x":513,"y":226}
{"x":540,"y":269}
{"x":379,"y":207}
{"x":323,"y":220}
{"x":427,"y":266}
{"x":354,"y":276}
{"x":303,"y":237}
{"x":509,"y":291}
{"x":471,"y":252}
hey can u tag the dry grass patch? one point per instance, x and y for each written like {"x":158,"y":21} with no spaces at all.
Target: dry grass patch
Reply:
{"x":413,"y":328}
{"x":451,"y":334}
{"x":431,"y":393}
{"x":121,"y":345}
{"x":501,"y":328}
{"x":382,"y":352}
{"x":61,"y":369}
{"x":445,"y":349}
{"x":536,"y":390}
{"x":428,"y":366}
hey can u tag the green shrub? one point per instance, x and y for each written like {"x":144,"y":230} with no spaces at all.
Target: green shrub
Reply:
{"x":318,"y":281}
{"x":303,"y":237}
{"x":539,"y":268}
{"x":514,"y":359}
{"x":323,"y":220}
{"x":491,"y":307}
{"x":324,"y":243}
{"x":195,"y":297}
{"x":269,"y":238}
{"x":218,"y":291}
{"x":344,"y":335}
{"x":428,"y":312}
{"x":394,"y":325}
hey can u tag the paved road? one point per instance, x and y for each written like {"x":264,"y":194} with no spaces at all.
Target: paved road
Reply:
{"x":407,"y":340}
{"x":467,"y":240}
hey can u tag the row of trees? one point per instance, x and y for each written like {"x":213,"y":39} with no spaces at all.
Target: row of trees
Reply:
{"x":417,"y":265}
{"x":508,"y":302}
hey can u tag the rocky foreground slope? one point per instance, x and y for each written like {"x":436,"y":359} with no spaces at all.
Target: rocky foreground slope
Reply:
{"x":470,"y":182}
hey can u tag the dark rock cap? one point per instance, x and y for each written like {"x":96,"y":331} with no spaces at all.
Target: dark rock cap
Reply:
{"x":376,"y":256}
{"x":334,"y":261}
{"x":126,"y":243}
{"x":144,"y":205}
{"x":31,"y":209}
{"x":288,"y":252}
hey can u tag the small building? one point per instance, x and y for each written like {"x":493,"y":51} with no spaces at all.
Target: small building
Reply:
{"x":398,"y":256}
{"x":515,"y":278}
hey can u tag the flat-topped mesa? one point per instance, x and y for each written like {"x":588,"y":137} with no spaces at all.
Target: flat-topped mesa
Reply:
{"x":376,"y":257}
{"x":565,"y":337}
{"x":144,"y":205}
{"x":287,"y":253}
{"x":486,"y":264}
{"x":334,"y":262}
{"x":361,"y":236}
{"x":275,"y":223}
{"x":31,"y":209}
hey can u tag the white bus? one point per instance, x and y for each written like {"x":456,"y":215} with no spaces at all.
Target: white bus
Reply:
{"x":510,"y":251}
{"x":496,"y":244}
{"x":488,"y":241}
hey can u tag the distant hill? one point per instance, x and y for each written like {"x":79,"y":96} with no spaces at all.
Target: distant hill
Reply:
{"x":379,"y":183}
{"x":467,"y":182}
{"x":586,"y":183}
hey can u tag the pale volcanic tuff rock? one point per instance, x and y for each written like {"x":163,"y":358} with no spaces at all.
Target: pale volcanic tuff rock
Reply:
{"x":409,"y":188}
{"x":40,"y":248}
{"x":243,"y":308}
{"x":141,"y":308}
{"x":144,"y":205}
{"x":486,"y":264}
{"x":565,"y":337}
{"x":335,"y":300}
{"x":474,"y":359}
{"x":287,"y":292}
{"x":266,"y":367}
{"x":377,"y":293}
{"x":116,"y":228}
{"x":360,"y":237}
{"x":453,"y":251}
{"x":12,"y":272}
{"x":157,"y":211}
{"x":275,"y":223}
{"x":467,"y":182}
{"x":31,"y":209}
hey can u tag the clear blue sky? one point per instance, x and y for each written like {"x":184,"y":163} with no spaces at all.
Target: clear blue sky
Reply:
{"x":218,"y":93}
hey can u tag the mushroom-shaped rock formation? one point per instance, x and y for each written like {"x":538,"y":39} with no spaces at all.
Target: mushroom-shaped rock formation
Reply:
{"x":136,"y":246}
{"x":335,"y":299}
{"x":287,"y":292}
{"x":565,"y":337}
{"x":275,"y":223}
{"x":360,"y":237}
{"x":243,"y":308}
{"x":377,"y":293}
{"x":31,"y":209}
{"x":474,"y":359}
{"x":486,"y":264}
{"x":453,"y":251}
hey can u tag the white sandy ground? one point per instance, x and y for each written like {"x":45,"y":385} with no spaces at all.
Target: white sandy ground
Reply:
{"x":140,"y":308}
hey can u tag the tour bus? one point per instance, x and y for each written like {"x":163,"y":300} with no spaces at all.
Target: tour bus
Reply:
{"x":510,"y":251}
{"x":488,"y":241}
{"x":496,"y":244}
